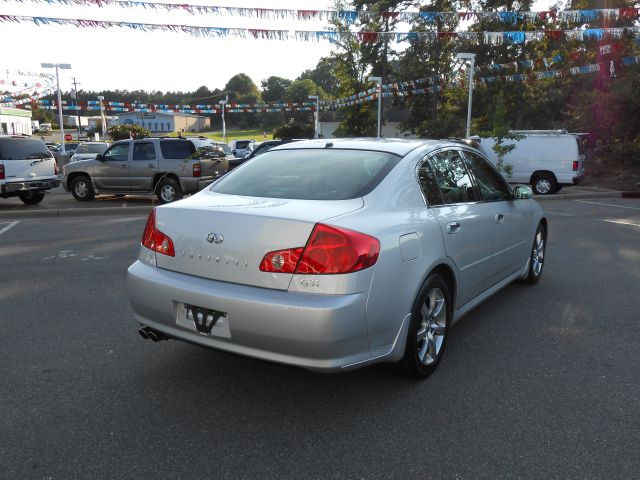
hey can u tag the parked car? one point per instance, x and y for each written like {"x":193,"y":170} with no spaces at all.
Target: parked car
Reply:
{"x":62,"y":158}
{"x":333,"y":255}
{"x":208,"y":141}
{"x":166,"y":167}
{"x":545,"y":159}
{"x":27,"y":169}
{"x":259,"y":149}
{"x":240,"y":148}
{"x":44,"y":128}
{"x":88,"y":151}
{"x":52,"y":145}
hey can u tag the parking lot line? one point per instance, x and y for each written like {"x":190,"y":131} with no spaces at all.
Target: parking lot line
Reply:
{"x":607,"y":204}
{"x":620,"y":222}
{"x":9,"y":226}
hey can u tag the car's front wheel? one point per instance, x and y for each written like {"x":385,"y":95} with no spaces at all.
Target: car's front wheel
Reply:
{"x":536,"y":258}
{"x":31,"y":198}
{"x":81,"y":188}
{"x":427,"y":336}
{"x":168,"y":190}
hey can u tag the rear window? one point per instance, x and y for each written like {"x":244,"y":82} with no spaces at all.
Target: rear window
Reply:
{"x":92,"y":148}
{"x":325,"y":174}
{"x":242,"y":143}
{"x":23,"y":149}
{"x":225,"y":148}
{"x":176,"y":149}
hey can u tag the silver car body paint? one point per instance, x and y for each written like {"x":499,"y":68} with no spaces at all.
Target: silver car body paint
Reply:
{"x":327,"y":322}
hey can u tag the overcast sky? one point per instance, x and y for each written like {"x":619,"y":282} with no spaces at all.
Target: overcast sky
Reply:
{"x":109,"y":59}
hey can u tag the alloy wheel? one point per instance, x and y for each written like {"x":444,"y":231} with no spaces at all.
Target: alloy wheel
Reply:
{"x":433,"y":324}
{"x":537,"y":254}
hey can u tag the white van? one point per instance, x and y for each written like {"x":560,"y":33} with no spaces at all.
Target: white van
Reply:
{"x":546,"y":159}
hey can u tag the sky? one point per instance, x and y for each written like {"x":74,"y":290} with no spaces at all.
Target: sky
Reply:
{"x":110,"y":59}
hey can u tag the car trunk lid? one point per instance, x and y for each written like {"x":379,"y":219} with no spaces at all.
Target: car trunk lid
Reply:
{"x":225,"y":237}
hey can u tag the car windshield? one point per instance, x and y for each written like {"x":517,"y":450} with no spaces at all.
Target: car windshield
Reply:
{"x":313,"y":174}
{"x":22,"y":149}
{"x":92,"y":148}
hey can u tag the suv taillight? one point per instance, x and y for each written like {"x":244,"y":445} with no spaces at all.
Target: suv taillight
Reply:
{"x":154,"y":239}
{"x":55,"y":167}
{"x":1,"y":172}
{"x":197,"y":170}
{"x":575,"y":165}
{"x":329,"y":250}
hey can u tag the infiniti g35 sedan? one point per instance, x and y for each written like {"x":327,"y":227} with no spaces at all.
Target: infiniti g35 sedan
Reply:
{"x":333,"y":255}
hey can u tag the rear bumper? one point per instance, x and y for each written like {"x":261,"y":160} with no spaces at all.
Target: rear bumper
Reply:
{"x":575,"y":178}
{"x":15,"y":188}
{"x":313,"y":331}
{"x":579,"y":179}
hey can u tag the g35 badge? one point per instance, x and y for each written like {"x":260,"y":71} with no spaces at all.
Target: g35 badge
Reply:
{"x":309,"y":283}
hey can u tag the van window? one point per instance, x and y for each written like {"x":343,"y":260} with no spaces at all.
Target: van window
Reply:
{"x":23,"y":149}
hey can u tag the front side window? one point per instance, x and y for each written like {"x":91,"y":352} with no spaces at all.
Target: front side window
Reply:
{"x":491,"y":184}
{"x":144,"y":151}
{"x":309,"y":174}
{"x":118,"y":153}
{"x":452,"y":177}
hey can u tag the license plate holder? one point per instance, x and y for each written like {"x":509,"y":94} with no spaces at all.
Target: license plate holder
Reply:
{"x":205,"y":321}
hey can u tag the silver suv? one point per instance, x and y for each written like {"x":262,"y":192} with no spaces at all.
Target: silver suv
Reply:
{"x":166,"y":167}
{"x":27,"y":169}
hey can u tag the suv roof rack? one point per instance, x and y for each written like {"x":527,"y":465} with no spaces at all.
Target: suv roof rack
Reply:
{"x":560,"y":131}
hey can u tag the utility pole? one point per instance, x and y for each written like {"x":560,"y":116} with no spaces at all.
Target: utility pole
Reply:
{"x":75,"y":87}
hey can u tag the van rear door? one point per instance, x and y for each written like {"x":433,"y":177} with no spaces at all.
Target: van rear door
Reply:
{"x":25,"y":159}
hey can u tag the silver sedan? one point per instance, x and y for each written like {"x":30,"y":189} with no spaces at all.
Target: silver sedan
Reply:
{"x":336,"y":254}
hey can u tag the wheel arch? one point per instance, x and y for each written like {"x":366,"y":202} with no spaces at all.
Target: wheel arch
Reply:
{"x":160,"y":176}
{"x":539,"y":173}
{"x":73,"y":175}
{"x":446,"y":272}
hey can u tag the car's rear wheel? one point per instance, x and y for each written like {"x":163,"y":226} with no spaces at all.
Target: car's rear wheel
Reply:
{"x":544,"y":184}
{"x":81,"y":188}
{"x":168,"y":190}
{"x":427,"y":336}
{"x":31,"y":198}
{"x":536,"y":258}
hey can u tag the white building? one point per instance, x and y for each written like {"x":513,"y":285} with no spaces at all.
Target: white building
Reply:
{"x":15,"y":121}
{"x":165,"y":122}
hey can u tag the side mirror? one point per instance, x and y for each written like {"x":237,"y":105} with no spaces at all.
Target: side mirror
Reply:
{"x":100,"y":157}
{"x":522,"y":192}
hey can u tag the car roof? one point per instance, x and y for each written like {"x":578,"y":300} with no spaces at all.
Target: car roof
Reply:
{"x":397,"y":146}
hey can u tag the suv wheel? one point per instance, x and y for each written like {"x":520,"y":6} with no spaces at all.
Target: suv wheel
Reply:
{"x":81,"y":188}
{"x":168,"y":190}
{"x":31,"y":198}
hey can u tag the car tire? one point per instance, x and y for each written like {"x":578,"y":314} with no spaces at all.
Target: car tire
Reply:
{"x":81,"y":188}
{"x":536,"y":257}
{"x":427,"y":336}
{"x":544,"y":184}
{"x":168,"y":190}
{"x":31,"y":198}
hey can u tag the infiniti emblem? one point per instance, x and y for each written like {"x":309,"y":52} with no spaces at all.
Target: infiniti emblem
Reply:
{"x":215,"y":237}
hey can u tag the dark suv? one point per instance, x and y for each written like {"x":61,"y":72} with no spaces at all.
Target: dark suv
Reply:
{"x":166,"y":167}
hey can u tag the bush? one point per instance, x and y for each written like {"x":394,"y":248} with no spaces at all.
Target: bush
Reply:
{"x":123,"y":132}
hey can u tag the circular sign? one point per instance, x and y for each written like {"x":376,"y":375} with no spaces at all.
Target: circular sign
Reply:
{"x":67,"y":137}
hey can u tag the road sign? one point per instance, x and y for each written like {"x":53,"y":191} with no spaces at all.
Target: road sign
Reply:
{"x":67,"y":137}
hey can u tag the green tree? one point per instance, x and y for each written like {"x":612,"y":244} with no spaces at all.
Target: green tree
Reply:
{"x":122,"y":132}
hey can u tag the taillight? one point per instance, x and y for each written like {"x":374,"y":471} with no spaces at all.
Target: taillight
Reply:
{"x":55,"y":167}
{"x":575,"y":165}
{"x":154,"y":239}
{"x":1,"y":172}
{"x":329,"y":250}
{"x":197,"y":170}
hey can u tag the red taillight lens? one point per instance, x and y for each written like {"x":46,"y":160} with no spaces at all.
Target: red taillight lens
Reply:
{"x":329,"y":250}
{"x":575,"y":165}
{"x":154,"y":239}
{"x":197,"y":170}
{"x":1,"y":172}
{"x":55,"y":167}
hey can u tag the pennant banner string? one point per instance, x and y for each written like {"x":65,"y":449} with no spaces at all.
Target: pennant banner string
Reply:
{"x":350,"y":16}
{"x":363,"y":37}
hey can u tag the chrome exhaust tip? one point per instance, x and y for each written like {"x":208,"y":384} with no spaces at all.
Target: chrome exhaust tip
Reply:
{"x":143,"y":333}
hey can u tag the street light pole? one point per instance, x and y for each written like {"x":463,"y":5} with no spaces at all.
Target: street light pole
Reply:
{"x":224,"y":127}
{"x":316,"y":116}
{"x":471,"y":57}
{"x":65,"y":66}
{"x":103,"y":120}
{"x":77,"y":94}
{"x":378,"y":80}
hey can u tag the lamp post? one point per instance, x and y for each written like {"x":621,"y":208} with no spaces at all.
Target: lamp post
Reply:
{"x":472,"y":58}
{"x":64,"y":66}
{"x":103,"y":120}
{"x":378,"y":80}
{"x":316,"y":116}
{"x":224,"y":127}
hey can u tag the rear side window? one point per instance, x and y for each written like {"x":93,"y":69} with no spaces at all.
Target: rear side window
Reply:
{"x":318,"y":174}
{"x":144,"y":151}
{"x":176,"y":149}
{"x":23,"y":149}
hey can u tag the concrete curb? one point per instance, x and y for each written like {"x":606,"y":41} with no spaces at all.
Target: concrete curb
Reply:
{"x":76,"y":212}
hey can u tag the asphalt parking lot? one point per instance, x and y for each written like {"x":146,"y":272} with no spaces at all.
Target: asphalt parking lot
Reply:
{"x":538,"y":382}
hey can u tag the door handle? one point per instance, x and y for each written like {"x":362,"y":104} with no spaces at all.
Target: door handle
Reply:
{"x":499,"y":218}
{"x":150,"y":165}
{"x":124,"y":166}
{"x":453,"y":227}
